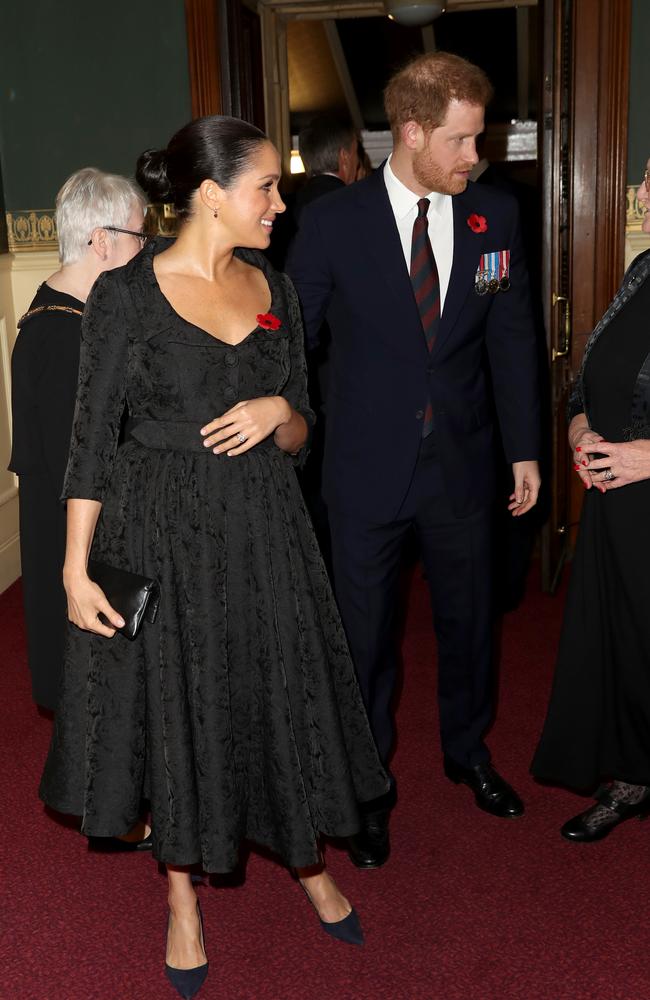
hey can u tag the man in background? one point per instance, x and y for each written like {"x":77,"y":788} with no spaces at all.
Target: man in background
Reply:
{"x":329,"y":151}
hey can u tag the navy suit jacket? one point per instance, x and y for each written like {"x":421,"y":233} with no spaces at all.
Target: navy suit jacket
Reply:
{"x":348,"y":267}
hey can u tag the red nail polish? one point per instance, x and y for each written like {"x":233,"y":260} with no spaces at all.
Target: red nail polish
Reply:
{"x":585,"y":462}
{"x":578,"y":448}
{"x":577,"y":468}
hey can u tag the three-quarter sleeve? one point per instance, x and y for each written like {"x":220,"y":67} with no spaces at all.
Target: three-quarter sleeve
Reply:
{"x":101,"y":391}
{"x":295,"y":389}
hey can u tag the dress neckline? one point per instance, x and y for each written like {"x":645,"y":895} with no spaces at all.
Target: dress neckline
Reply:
{"x":247,"y":256}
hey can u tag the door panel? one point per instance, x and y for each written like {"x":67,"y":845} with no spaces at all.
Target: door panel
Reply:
{"x":584,"y":147}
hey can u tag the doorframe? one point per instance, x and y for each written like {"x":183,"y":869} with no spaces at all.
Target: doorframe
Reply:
{"x":595,"y":178}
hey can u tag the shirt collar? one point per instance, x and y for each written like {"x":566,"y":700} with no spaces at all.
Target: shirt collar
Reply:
{"x":404,"y":201}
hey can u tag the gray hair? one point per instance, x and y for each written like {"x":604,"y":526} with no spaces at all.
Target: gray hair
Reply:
{"x":320,"y":141}
{"x":90,"y":199}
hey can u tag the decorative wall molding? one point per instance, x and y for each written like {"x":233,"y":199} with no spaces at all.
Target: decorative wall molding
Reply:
{"x":35,"y":229}
{"x":8,"y":495}
{"x":635,"y":243}
{"x":161,"y":220}
{"x":633,"y":213}
{"x":31,"y":229}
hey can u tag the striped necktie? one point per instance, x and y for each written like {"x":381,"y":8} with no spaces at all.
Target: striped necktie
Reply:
{"x":426,"y":288}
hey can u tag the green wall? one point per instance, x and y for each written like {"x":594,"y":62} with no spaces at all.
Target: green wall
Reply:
{"x":87,"y":83}
{"x":639,"y":120}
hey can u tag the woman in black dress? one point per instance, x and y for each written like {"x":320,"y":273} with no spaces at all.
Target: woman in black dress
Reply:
{"x":93,"y":210}
{"x":598,"y":723}
{"x":237,"y":713}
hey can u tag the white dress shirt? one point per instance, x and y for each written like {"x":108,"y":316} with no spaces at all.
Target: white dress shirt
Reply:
{"x":440,"y":218}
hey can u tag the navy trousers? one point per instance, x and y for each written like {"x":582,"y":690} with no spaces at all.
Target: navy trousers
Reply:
{"x":456,"y":553}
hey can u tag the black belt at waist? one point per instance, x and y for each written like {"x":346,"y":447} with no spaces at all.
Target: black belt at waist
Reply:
{"x":174,"y":435}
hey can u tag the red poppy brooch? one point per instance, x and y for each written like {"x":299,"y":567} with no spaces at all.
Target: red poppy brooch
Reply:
{"x":477,"y":223}
{"x":268,"y":321}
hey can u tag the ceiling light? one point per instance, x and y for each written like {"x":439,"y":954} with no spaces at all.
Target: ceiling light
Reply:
{"x":412,"y":13}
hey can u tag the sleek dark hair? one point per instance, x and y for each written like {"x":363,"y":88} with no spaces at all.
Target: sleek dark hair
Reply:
{"x":320,"y":141}
{"x":215,"y":147}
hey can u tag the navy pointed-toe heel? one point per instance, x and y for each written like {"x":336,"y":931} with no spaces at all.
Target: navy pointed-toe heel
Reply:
{"x":188,"y":982}
{"x":348,"y":930}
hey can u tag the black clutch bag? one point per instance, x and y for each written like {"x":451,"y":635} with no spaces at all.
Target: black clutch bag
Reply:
{"x":135,"y":597}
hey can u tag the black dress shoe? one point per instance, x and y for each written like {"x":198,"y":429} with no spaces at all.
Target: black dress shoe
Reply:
{"x":113,"y":845}
{"x":607,"y":813}
{"x":492,"y":793}
{"x":370,"y":847}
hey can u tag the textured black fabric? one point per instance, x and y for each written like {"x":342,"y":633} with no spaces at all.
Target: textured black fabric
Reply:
{"x":634,"y":278}
{"x":44,"y":370}
{"x":598,"y":721}
{"x":238,"y":712}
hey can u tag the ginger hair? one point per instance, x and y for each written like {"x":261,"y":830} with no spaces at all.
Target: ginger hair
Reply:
{"x":423,"y":89}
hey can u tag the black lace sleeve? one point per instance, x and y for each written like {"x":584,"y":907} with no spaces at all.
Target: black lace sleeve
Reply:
{"x":101,"y":391}
{"x":295,"y":390}
{"x":576,"y":403}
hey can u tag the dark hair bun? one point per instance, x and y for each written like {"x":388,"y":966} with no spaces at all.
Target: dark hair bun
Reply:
{"x":151,"y":175}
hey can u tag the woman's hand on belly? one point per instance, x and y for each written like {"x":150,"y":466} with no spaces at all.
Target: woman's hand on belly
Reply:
{"x":246,"y":424}
{"x":85,"y":602}
{"x":620,"y":464}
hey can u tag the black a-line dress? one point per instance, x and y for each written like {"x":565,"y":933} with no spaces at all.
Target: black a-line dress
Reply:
{"x":598,"y":722}
{"x":44,"y":371}
{"x":237,"y":714}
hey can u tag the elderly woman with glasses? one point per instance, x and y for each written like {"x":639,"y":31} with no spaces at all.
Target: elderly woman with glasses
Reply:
{"x":99,"y":221}
{"x":597,"y":731}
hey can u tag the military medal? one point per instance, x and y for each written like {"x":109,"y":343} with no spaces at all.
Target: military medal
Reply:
{"x":504,"y":270}
{"x":493,"y":273}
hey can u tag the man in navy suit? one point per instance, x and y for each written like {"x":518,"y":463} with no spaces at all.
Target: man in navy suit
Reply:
{"x":422,"y":279}
{"x":328,"y":148}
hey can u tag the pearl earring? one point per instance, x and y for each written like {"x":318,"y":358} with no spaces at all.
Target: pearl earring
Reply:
{"x":215,"y":214}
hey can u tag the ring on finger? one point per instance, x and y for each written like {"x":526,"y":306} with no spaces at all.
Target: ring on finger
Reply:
{"x":608,"y":475}
{"x":241,"y":437}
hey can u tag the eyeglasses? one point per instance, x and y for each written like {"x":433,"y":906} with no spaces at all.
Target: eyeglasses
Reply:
{"x":128,"y":232}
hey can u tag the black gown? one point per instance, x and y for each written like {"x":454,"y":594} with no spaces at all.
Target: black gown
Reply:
{"x":44,"y":371}
{"x":598,"y":722}
{"x":237,"y":714}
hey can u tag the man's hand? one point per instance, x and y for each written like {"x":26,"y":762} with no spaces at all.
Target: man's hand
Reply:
{"x":527,"y":482}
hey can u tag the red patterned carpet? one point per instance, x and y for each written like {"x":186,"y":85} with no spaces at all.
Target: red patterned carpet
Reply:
{"x":468,"y":908}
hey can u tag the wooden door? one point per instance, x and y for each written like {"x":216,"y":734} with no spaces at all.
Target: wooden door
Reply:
{"x":224,"y":43}
{"x":584,"y":152}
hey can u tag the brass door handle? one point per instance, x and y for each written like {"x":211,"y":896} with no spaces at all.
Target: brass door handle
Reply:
{"x":563,"y":350}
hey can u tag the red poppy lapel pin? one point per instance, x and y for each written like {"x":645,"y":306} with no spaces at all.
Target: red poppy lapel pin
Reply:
{"x":477,"y":223}
{"x":268,"y":321}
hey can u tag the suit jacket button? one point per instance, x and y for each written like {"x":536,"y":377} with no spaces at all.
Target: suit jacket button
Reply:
{"x":419,"y":414}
